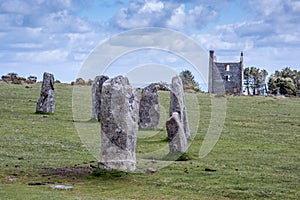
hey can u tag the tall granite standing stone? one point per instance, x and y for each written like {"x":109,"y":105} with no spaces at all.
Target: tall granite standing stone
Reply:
{"x":96,"y":96}
{"x":149,"y":108}
{"x":177,"y":139}
{"x":45,"y":103}
{"x":177,"y":103}
{"x":119,"y":124}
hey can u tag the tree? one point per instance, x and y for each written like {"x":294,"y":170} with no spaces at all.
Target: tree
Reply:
{"x":247,"y":78}
{"x":89,"y":82}
{"x":32,"y":78}
{"x":286,"y":86}
{"x":79,"y":81}
{"x":255,"y":79}
{"x":262,"y":80}
{"x":272,"y":85}
{"x":188,"y":80}
{"x":254,"y":72}
{"x":13,"y":78}
{"x":284,"y":82}
{"x":12,"y":75}
{"x":298,"y":81}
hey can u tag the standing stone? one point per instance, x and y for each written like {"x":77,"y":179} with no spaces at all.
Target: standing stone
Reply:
{"x":96,"y":96}
{"x":149,"y":108}
{"x":45,"y":103}
{"x":176,"y":135}
{"x":119,"y":124}
{"x":177,"y":103}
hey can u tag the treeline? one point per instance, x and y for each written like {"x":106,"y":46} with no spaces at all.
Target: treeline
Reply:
{"x":284,"y":82}
{"x":15,"y":79}
{"x":188,"y":81}
{"x":281,"y":82}
{"x":81,"y":81}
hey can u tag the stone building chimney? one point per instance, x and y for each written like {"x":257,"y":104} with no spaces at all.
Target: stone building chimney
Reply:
{"x":211,"y":54}
{"x":242,"y":70}
{"x":210,"y":72}
{"x":242,"y":57}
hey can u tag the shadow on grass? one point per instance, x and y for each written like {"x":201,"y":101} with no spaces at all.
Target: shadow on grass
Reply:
{"x":88,"y":121}
{"x":43,"y":113}
{"x":110,"y":174}
{"x":177,"y":157}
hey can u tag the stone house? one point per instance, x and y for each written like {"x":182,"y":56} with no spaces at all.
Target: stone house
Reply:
{"x":225,"y":76}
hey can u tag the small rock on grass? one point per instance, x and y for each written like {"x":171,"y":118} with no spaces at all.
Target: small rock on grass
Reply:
{"x":62,"y":187}
{"x":149,"y":171}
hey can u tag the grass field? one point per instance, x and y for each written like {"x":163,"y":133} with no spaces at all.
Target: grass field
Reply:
{"x":256,"y":157}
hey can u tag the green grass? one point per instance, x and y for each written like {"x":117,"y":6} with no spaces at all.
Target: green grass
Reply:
{"x":256,"y":157}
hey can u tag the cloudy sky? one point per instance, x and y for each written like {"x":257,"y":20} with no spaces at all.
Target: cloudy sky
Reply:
{"x":57,"y":36}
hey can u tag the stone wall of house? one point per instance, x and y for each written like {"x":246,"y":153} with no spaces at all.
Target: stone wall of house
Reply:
{"x":225,"y":76}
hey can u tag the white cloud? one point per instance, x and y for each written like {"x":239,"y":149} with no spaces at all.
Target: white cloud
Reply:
{"x":200,"y":16}
{"x":51,"y":33}
{"x":290,"y":38}
{"x":140,"y":14}
{"x":7,"y":20}
{"x":44,"y":33}
{"x":26,"y":45}
{"x":62,"y":21}
{"x":267,"y":7}
{"x":269,"y":40}
{"x":171,"y":14}
{"x":295,"y":5}
{"x":218,"y":42}
{"x":151,"y":6}
{"x":15,"y":6}
{"x":273,"y":26}
{"x":52,"y":56}
{"x":177,"y":20}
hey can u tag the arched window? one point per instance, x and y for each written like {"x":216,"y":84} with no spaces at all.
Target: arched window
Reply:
{"x":227,"y":67}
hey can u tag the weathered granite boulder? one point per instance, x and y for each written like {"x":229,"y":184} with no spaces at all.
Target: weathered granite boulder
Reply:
{"x":45,"y":103}
{"x":96,"y":95}
{"x":149,"y":108}
{"x":177,"y":139}
{"x":177,"y":103}
{"x":119,"y":124}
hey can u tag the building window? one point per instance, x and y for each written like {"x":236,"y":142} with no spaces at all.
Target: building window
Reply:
{"x":235,"y":90}
{"x":227,"y":78}
{"x":227,"y":67}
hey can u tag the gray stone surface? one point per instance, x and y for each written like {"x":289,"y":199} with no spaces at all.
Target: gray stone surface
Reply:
{"x":177,"y":103}
{"x":177,"y":139}
{"x":225,"y":76}
{"x":96,"y":95}
{"x":119,"y":124}
{"x":149,"y":108}
{"x":45,"y":103}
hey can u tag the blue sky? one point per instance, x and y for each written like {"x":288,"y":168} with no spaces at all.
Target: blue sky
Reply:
{"x":57,"y":36}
